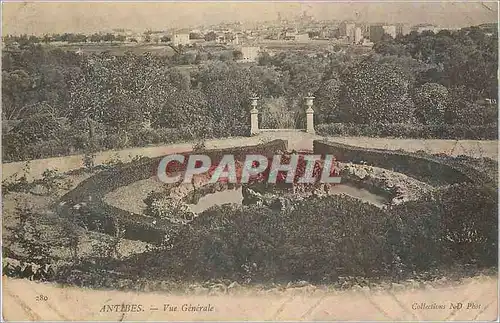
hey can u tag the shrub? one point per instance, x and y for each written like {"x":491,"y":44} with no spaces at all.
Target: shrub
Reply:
{"x":148,"y":136}
{"x":471,"y":113}
{"x":113,"y":161}
{"x":318,"y":240}
{"x":336,"y":236}
{"x":199,"y":145}
{"x":470,"y":221}
{"x":52,"y":180}
{"x":114,"y":141}
{"x":430,"y":100}
{"x":18,"y":182}
{"x":27,"y":235}
{"x":457,"y":225}
{"x":14,"y":149}
{"x":45,"y":149}
{"x":89,"y":161}
{"x":324,"y":239}
{"x":276,"y":115}
{"x":403,"y":130}
{"x":160,"y":205}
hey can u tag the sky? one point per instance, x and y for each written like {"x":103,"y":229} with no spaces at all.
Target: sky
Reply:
{"x":59,"y":17}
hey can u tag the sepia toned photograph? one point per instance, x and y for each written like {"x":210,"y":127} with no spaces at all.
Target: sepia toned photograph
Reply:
{"x":249,"y":161}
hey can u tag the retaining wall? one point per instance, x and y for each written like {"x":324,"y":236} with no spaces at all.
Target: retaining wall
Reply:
{"x":429,"y":169}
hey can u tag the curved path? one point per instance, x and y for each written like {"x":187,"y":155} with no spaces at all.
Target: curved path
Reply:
{"x":296,"y":140}
{"x":478,"y":296}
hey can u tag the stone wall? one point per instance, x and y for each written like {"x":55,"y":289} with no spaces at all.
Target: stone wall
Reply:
{"x":426,"y":168}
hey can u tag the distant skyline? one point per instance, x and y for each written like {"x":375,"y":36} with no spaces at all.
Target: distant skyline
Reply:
{"x":86,"y":17}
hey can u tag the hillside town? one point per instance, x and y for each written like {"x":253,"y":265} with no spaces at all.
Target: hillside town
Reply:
{"x":249,"y":39}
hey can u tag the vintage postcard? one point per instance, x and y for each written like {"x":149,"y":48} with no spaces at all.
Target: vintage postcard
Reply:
{"x":249,"y":161}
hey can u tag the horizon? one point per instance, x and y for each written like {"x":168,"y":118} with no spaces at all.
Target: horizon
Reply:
{"x":37,"y":18}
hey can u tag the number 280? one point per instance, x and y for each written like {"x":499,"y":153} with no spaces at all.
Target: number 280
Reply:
{"x":41,"y":298}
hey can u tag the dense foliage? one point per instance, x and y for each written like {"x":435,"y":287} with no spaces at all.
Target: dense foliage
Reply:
{"x":56,"y":102}
{"x":323,"y":239}
{"x":458,"y":225}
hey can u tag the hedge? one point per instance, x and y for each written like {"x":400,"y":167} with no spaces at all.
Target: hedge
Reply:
{"x":15,"y":149}
{"x":318,"y":241}
{"x":324,"y":239}
{"x":419,"y":131}
{"x":457,"y":225}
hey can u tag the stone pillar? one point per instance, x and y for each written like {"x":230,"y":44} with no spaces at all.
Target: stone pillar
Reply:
{"x":254,"y":116}
{"x":310,"y":113}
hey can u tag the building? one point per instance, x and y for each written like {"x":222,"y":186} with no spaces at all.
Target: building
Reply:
{"x":425,"y":27}
{"x":180,"y":39}
{"x":291,"y":34}
{"x":236,"y":40}
{"x":367,"y":43}
{"x":402,"y":29}
{"x":250,"y":53}
{"x":347,"y":29}
{"x":302,"y":37}
{"x":378,"y":31}
{"x":365,"y":29}
{"x":358,"y":35}
{"x":390,"y":30}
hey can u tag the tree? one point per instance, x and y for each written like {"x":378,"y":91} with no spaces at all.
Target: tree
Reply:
{"x":463,"y":110}
{"x":188,"y":58}
{"x":46,"y":38}
{"x":108,"y":37}
{"x":390,"y":47}
{"x":120,"y":92}
{"x":211,"y":36}
{"x":474,"y":69}
{"x":28,"y":235}
{"x":201,"y":57}
{"x":179,"y":78}
{"x":264,"y":59}
{"x":378,"y":92}
{"x":327,"y":101}
{"x":267,"y":81}
{"x":195,"y":36}
{"x":187,"y":110}
{"x":227,"y":87}
{"x":34,"y":39}
{"x":276,"y":114}
{"x":304,"y":73}
{"x":467,"y":57}
{"x":431,"y":101}
{"x":164,"y":39}
{"x":237,"y":55}
{"x":15,"y":85}
{"x":95,"y":38}
{"x":226,"y":56}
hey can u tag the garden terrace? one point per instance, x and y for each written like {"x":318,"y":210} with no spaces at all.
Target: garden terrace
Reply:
{"x":87,"y":203}
{"x":283,"y":241}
